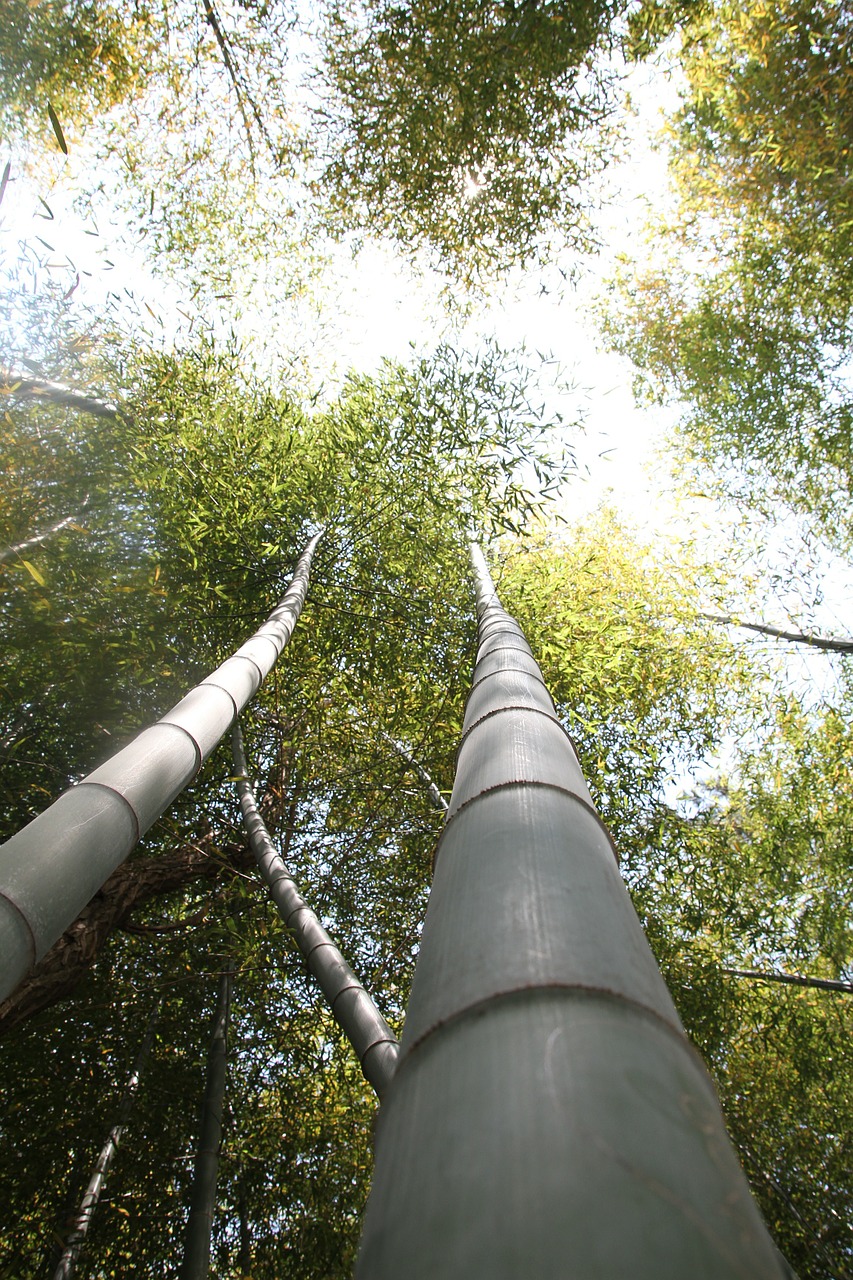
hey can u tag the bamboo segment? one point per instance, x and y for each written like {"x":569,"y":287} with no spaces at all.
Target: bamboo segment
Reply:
{"x":367,"y":1031}
{"x":548,"y":1116}
{"x":89,"y":1203}
{"x":56,"y":864}
{"x":196,"y":1264}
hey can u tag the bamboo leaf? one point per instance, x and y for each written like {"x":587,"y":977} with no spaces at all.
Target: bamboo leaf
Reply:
{"x":33,"y":572}
{"x":57,"y":129}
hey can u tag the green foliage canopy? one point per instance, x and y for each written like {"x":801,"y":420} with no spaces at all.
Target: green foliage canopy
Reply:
{"x":469,"y":127}
{"x":746,"y":319}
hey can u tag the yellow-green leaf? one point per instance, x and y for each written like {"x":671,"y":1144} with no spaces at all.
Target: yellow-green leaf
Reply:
{"x":34,"y":573}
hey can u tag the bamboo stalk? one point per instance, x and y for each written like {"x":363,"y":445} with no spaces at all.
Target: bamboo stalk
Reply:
{"x":56,"y":393}
{"x":92,"y":1194}
{"x":51,"y":868}
{"x":196,"y":1263}
{"x":367,"y":1031}
{"x":16,"y":549}
{"x":548,"y":1116}
{"x":435,"y":795}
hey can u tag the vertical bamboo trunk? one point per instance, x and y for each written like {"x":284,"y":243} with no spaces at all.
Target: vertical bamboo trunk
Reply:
{"x":548,"y":1117}
{"x":196,"y":1264}
{"x":244,"y":1254}
{"x":367,"y":1031}
{"x":89,"y":1203}
{"x":56,"y":864}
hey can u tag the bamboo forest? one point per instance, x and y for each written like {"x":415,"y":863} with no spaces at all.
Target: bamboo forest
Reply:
{"x":426,"y":711}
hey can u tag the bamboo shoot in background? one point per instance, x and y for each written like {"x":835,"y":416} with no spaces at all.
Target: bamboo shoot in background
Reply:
{"x":367,"y":1031}
{"x":548,"y":1116}
{"x":52,"y":867}
{"x":89,"y":1203}
{"x":196,"y":1264}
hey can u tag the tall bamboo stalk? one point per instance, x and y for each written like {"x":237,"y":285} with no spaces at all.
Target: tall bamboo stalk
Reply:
{"x":31,"y":388}
{"x":196,"y":1264}
{"x":52,"y":867}
{"x":89,"y":1203}
{"x":548,"y":1116}
{"x":367,"y":1031}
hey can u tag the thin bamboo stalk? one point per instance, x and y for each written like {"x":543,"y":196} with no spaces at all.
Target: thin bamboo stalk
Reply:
{"x":196,"y":1264}
{"x":17,"y":549}
{"x":52,"y":867}
{"x":56,"y":393}
{"x":367,"y":1031}
{"x":92,"y":1194}
{"x":548,"y":1116}
{"x":793,"y":980}
{"x":435,"y":795}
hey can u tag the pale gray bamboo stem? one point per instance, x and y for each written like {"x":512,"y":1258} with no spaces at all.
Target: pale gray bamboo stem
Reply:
{"x":18,"y":549}
{"x":548,"y":1116}
{"x":196,"y":1264}
{"x":367,"y":1031}
{"x":56,"y":393}
{"x":830,"y":644}
{"x":432,"y":790}
{"x":52,"y":867}
{"x":92,"y":1194}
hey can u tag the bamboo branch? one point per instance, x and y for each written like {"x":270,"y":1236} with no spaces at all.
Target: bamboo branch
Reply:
{"x":827,"y":643}
{"x":212,"y":19}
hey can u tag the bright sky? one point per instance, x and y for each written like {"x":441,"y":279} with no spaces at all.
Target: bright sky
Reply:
{"x":377,"y":308}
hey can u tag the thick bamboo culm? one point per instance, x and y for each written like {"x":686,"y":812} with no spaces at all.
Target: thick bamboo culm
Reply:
{"x":364,"y":1026}
{"x":52,"y":867}
{"x":548,"y":1116}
